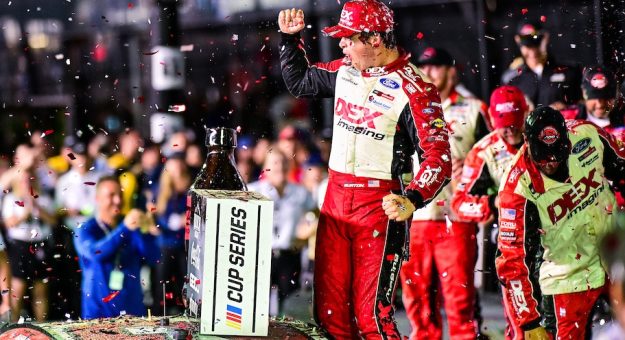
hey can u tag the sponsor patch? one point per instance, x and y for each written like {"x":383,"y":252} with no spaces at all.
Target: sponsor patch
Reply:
{"x":508,"y":214}
{"x":349,"y":80}
{"x":437,"y":123}
{"x":379,"y":103}
{"x":411,"y":89}
{"x":586,"y":154}
{"x":505,"y":107}
{"x":383,"y":95}
{"x":507,"y":225}
{"x":428,"y":176}
{"x":390,"y":83}
{"x":507,"y":235}
{"x":581,"y":145}
{"x":514,"y":174}
{"x":549,"y":135}
{"x":599,"y":81}
{"x":428,"y":110}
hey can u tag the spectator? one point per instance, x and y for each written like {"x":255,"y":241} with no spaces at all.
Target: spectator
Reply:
{"x":75,"y":203}
{"x":151,"y":169}
{"x":539,"y":76}
{"x":28,"y":215}
{"x":244,"y":155}
{"x":111,"y":255}
{"x":126,"y":164}
{"x":170,"y":210}
{"x":194,"y":158}
{"x":290,"y":144}
{"x":291,"y":203}
{"x":95,"y":150}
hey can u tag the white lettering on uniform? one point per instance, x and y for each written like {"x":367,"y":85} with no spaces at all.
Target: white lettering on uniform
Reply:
{"x":518,"y":297}
{"x":428,"y":176}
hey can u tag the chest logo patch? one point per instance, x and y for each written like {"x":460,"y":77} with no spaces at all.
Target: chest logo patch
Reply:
{"x":390,"y":83}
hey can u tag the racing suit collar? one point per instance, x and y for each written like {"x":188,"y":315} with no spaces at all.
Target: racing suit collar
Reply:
{"x":401,"y":61}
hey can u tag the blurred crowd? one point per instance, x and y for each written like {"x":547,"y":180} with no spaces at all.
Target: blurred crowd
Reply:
{"x":50,"y":192}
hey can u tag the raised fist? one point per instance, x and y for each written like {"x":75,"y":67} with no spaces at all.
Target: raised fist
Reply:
{"x":291,"y":21}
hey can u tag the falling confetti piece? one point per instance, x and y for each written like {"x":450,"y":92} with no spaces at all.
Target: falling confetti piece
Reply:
{"x":71,"y":156}
{"x":543,"y":18}
{"x":20,"y":203}
{"x":130,"y":5}
{"x":89,"y":183}
{"x":420,"y":35}
{"x":440,"y":203}
{"x":110,"y":297}
{"x":524,"y":11}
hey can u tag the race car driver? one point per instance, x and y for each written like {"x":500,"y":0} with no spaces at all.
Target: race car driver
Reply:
{"x":476,"y":195}
{"x":444,"y":253}
{"x":556,"y":203}
{"x":383,"y":112}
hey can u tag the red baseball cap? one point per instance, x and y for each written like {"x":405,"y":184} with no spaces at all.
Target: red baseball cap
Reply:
{"x":507,"y":107}
{"x":362,"y":16}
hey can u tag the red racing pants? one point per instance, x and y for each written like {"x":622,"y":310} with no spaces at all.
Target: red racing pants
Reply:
{"x":566,"y":316}
{"x":441,"y":265}
{"x":355,"y":274}
{"x":513,"y":329}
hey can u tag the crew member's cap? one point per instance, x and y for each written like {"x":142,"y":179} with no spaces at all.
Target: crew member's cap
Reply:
{"x":362,"y":16}
{"x":598,"y":82}
{"x":435,"y":56}
{"x":507,"y":107}
{"x":546,"y":133}
{"x":530,"y":32}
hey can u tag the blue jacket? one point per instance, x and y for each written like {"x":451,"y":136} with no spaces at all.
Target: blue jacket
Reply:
{"x":172,"y":237}
{"x":98,"y":250}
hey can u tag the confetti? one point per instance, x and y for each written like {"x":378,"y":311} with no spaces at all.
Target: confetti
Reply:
{"x":110,"y":297}
{"x":420,"y":35}
{"x":89,"y":183}
{"x":20,"y":203}
{"x":524,"y":11}
{"x":543,"y":18}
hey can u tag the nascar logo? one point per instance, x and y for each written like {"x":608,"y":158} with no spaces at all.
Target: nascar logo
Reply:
{"x":233,"y":317}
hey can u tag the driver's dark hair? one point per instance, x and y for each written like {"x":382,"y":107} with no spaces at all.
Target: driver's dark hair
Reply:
{"x":388,"y":38}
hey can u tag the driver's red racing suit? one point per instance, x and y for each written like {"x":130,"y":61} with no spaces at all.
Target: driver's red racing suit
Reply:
{"x":381,"y":116}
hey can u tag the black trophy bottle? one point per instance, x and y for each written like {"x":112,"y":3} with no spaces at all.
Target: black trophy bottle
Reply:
{"x":219,"y":171}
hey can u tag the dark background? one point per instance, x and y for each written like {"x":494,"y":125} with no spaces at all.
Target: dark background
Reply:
{"x":232,"y":73}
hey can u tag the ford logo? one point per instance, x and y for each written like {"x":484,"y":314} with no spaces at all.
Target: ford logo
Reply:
{"x":390,"y":83}
{"x":428,"y":110}
{"x":581,"y":145}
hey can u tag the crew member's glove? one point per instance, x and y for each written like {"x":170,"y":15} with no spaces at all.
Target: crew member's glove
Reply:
{"x":538,"y":333}
{"x":398,"y":208}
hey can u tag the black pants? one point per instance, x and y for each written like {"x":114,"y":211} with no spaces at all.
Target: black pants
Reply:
{"x":286,"y":266}
{"x":171,"y":270}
